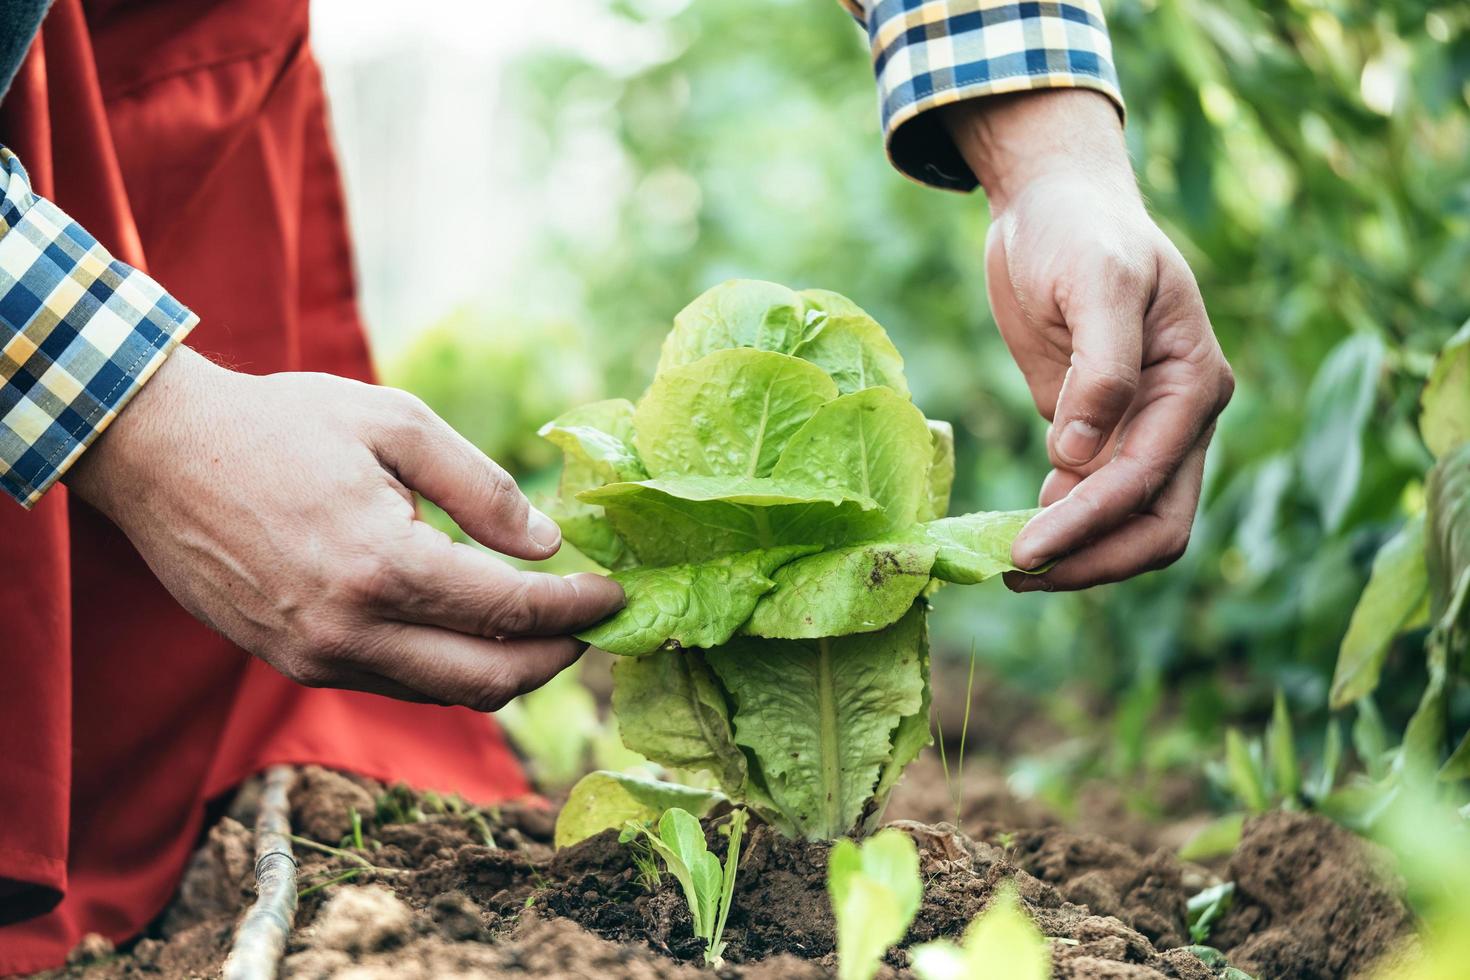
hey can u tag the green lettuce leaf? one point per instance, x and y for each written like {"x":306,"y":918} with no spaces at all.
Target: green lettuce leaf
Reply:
{"x":1444,"y":417}
{"x":727,"y":414}
{"x":691,"y":518}
{"x":738,"y":313}
{"x":874,"y":443}
{"x":826,"y":301}
{"x":689,"y":605}
{"x":974,"y":547}
{"x":603,"y":800}
{"x":596,"y":441}
{"x":820,"y":715}
{"x":941,"y":472}
{"x":671,"y":709}
{"x":855,"y":353}
{"x":857,"y":589}
{"x":910,"y":738}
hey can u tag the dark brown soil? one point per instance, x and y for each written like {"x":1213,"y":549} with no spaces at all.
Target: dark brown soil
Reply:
{"x":442,"y":900}
{"x":1312,"y":900}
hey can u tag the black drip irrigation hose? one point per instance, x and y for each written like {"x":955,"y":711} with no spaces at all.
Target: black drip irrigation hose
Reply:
{"x":260,"y":940}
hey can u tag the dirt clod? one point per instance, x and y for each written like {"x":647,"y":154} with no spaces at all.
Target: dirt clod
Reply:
{"x":362,"y":920}
{"x":322,"y":803}
{"x":1311,"y":900}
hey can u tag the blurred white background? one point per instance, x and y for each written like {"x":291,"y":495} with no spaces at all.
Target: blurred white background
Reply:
{"x":442,"y":175}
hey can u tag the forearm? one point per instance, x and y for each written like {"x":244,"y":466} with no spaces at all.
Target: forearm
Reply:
{"x":1011,"y":140}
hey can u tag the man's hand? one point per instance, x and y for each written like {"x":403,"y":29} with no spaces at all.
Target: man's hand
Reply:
{"x":278,"y":510}
{"x":1105,"y":320}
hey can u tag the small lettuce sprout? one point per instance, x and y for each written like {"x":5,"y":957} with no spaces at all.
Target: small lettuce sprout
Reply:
{"x":1002,"y":942}
{"x":875,"y":890}
{"x":708,"y":889}
{"x":1207,"y":907}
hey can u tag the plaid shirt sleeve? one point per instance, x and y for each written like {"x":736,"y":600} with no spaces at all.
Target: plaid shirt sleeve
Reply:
{"x":931,"y":53}
{"x":80,"y":333}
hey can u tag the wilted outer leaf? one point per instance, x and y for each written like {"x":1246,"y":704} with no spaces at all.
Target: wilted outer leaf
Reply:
{"x":855,"y":353}
{"x":820,"y":716}
{"x":691,"y":605}
{"x":974,"y":547}
{"x":941,"y":472}
{"x":738,"y":313}
{"x":1444,"y":418}
{"x":1002,"y":942}
{"x":1396,"y":589}
{"x":692,"y":518}
{"x":856,"y":589}
{"x":671,"y":710}
{"x":727,"y":414}
{"x":1339,"y":402}
{"x":596,"y":441}
{"x":603,"y":800}
{"x":872,"y":442}
{"x":875,"y":890}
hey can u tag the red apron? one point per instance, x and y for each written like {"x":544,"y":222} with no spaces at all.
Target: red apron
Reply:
{"x":191,"y":139}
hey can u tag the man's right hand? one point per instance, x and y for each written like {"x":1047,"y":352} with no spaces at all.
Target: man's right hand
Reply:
{"x":279,"y":511}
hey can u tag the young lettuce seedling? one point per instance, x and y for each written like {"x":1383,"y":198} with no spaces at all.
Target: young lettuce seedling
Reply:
{"x":875,"y":890}
{"x":774,"y":508}
{"x":1001,"y":942}
{"x":708,"y":889}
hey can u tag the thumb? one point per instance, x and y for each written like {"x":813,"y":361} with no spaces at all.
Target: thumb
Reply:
{"x":430,"y":457}
{"x":1100,"y":384}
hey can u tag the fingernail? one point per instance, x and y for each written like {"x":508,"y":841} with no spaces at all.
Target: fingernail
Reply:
{"x":542,"y":529}
{"x":1079,"y":442}
{"x":1035,"y":564}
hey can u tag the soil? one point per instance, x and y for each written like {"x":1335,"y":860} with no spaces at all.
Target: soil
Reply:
{"x":443,"y":899}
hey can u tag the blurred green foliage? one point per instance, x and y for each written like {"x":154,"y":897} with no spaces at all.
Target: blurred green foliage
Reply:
{"x":1309,"y":159}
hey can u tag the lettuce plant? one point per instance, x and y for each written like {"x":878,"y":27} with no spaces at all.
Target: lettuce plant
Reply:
{"x":774,"y":508}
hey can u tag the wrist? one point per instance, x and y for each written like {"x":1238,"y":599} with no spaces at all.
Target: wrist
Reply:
{"x":120,"y":458}
{"x":1009,"y":141}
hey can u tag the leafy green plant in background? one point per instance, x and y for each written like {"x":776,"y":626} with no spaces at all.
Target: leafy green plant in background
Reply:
{"x":708,"y":889}
{"x":1421,"y":576}
{"x":875,"y":890}
{"x":775,"y":504}
{"x":1263,"y":773}
{"x":1001,"y":942}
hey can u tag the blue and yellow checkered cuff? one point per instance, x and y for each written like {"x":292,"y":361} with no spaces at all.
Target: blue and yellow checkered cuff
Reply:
{"x":80,"y":332}
{"x":935,"y":53}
